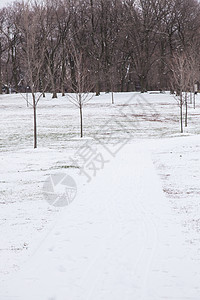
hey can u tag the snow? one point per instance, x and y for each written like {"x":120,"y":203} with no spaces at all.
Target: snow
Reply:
{"x":132,"y":231}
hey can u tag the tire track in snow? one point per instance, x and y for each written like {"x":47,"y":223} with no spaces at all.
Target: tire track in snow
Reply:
{"x":98,"y":263}
{"x":145,"y":254}
{"x":151,"y":235}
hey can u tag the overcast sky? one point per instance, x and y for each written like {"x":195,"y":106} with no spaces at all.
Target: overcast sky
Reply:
{"x":5,"y":2}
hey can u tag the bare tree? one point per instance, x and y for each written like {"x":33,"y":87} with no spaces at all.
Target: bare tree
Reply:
{"x":181,"y":77}
{"x":10,"y":30}
{"x":128,"y":44}
{"x":33,"y":55}
{"x":4,"y":46}
{"x":81,"y":91}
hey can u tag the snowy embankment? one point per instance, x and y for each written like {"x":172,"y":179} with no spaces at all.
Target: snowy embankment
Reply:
{"x":122,"y":237}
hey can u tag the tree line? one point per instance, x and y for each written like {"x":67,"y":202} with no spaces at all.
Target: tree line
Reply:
{"x":108,"y":45}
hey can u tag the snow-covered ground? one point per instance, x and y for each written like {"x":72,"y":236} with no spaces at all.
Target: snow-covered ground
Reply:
{"x":133,"y":229}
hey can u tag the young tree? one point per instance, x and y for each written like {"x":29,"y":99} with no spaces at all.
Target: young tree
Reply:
{"x":181,"y":76}
{"x":32,"y":55}
{"x":81,"y":91}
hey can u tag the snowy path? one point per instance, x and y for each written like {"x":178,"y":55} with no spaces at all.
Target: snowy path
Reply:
{"x":117,"y":240}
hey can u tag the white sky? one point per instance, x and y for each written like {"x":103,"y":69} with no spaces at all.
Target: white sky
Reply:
{"x":5,"y":2}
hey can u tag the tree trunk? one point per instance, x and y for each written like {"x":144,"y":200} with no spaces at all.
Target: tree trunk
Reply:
{"x":63,"y":76}
{"x":181,"y":110}
{"x":186,"y":110}
{"x":73,"y":74}
{"x":54,"y":89}
{"x":53,"y":80}
{"x":98,"y":85}
{"x":54,"y":95}
{"x":112,"y":98}
{"x":34,"y":121}
{"x":14,"y":70}
{"x":143,"y":84}
{"x":0,"y":69}
{"x":122,"y":84}
{"x":107,"y":79}
{"x":81,"y":120}
{"x":97,"y":89}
